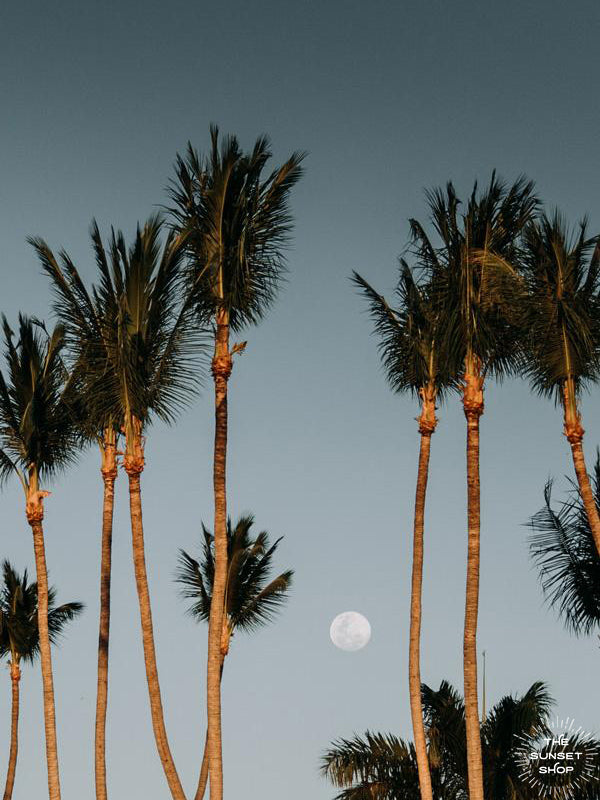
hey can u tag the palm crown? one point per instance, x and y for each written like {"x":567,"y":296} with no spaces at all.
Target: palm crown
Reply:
{"x":252,"y":599}
{"x":19,"y":636}
{"x":37,"y":433}
{"x":563,"y":549}
{"x":562,"y":273}
{"x":473,"y":270}
{"x":238,"y":224}
{"x":384,"y":766}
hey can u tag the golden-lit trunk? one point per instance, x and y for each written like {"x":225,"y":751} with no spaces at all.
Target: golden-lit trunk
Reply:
{"x":427,"y":423}
{"x":133,"y":463}
{"x":221,"y":370}
{"x":473,"y":408}
{"x":109,"y":475}
{"x":203,"y":779}
{"x":35,"y":516}
{"x":574,"y":432}
{"x":15,"y":677}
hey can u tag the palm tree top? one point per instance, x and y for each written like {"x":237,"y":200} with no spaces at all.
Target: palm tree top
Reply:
{"x":252,"y":598}
{"x":473,"y":269}
{"x":19,"y":636}
{"x":408,"y":343}
{"x":239,"y":224}
{"x":37,"y":431}
{"x":562,"y":547}
{"x":131,"y":335}
{"x":562,"y":272}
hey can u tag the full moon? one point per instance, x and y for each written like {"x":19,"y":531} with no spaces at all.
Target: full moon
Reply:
{"x":350,"y":631}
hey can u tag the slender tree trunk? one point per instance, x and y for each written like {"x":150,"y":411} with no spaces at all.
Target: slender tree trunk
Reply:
{"x":574,"y":433}
{"x":203,"y":779}
{"x":35,"y":516}
{"x":134,"y":465}
{"x":427,"y":423}
{"x":109,"y":475}
{"x":221,"y":370}
{"x":15,"y":677}
{"x":473,"y":408}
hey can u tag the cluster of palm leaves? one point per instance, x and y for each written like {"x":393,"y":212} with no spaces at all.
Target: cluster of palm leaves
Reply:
{"x":497,"y":287}
{"x":134,"y":347}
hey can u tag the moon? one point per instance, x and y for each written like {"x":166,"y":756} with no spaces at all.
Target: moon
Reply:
{"x":350,"y":631}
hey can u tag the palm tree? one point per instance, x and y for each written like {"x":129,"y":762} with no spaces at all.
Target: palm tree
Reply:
{"x":19,"y":639}
{"x":251,"y":598}
{"x":85,"y":332}
{"x":141,"y":353}
{"x":383,"y":766}
{"x":238,"y":224}
{"x":476,"y":284}
{"x":563,"y":549}
{"x":410,"y":351}
{"x":561,"y":320}
{"x":38,"y":439}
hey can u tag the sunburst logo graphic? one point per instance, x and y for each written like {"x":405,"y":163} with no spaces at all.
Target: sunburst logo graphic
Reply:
{"x":559,"y":760}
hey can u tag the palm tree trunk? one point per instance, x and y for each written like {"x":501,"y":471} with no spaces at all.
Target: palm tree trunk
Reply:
{"x":473,"y":408}
{"x":15,"y":676}
{"x":574,"y":433}
{"x":203,"y":779}
{"x":221,"y":369}
{"x":35,"y":515}
{"x":427,"y":423}
{"x":133,"y":463}
{"x":109,"y":474}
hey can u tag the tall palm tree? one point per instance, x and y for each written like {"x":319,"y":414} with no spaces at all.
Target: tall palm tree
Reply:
{"x":141,"y":354}
{"x":19,"y":639}
{"x":85,"y":333}
{"x":238,"y":223}
{"x":37,"y":440}
{"x":562,"y":547}
{"x":251,"y":598}
{"x":473,"y":270}
{"x":383,"y":766}
{"x":410,"y":350}
{"x":562,"y":325}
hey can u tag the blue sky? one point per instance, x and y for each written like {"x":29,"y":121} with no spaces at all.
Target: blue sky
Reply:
{"x":387,"y":98}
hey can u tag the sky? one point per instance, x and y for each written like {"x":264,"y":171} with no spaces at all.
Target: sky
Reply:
{"x":387,"y":98}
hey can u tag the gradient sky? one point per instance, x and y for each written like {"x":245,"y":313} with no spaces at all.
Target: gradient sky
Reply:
{"x":388,"y":98}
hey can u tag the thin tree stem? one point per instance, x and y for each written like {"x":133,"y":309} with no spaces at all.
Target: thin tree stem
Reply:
{"x":203,"y":779}
{"x":15,"y":675}
{"x":221,"y":368}
{"x":35,"y":520}
{"x":141,"y":578}
{"x":414,"y":659}
{"x":109,"y":474}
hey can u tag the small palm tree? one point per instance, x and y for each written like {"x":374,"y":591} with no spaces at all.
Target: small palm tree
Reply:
{"x":251,"y":598}
{"x":383,"y":766}
{"x":86,"y":325}
{"x":37,"y":440}
{"x":473,"y":271}
{"x":562,"y":328}
{"x":563,"y":548}
{"x":414,"y":362}
{"x":238,"y":223}
{"x":20,"y":641}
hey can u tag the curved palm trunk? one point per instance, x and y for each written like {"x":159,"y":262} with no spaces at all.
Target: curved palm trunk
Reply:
{"x":203,"y":779}
{"x":427,"y":423}
{"x":35,"y":515}
{"x":473,"y":408}
{"x":109,"y":475}
{"x":15,"y":676}
{"x":134,"y":465}
{"x":221,"y":369}
{"x":574,"y":433}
